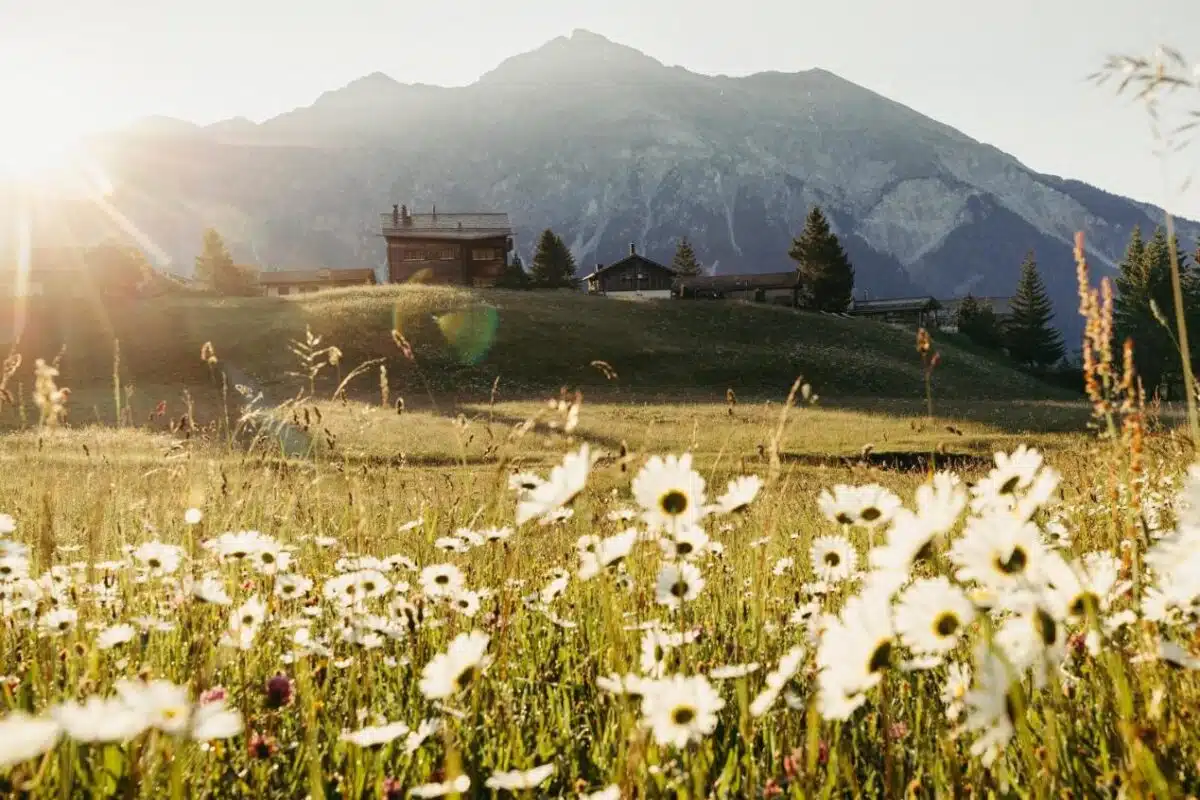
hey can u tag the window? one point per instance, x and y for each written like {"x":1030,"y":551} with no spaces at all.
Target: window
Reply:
{"x":484,"y":254}
{"x":447,"y":253}
{"x":284,"y":290}
{"x":414,"y":254}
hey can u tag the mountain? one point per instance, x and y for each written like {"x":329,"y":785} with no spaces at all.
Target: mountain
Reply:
{"x":609,"y":146}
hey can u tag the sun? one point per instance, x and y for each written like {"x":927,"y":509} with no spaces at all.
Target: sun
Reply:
{"x":43,"y":124}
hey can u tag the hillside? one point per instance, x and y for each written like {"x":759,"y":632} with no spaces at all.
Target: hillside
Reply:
{"x":534,"y":342}
{"x":610,"y":146}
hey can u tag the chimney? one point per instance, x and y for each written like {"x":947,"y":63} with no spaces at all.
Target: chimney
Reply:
{"x":435,"y":209}
{"x":599,"y":267}
{"x":404,"y":214}
{"x":632,"y":249}
{"x":395,"y":214}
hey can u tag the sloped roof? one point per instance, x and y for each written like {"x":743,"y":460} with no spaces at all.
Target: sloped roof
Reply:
{"x":732,"y":283}
{"x":291,"y":276}
{"x":634,"y":258}
{"x":894,"y":304}
{"x":473,"y":225}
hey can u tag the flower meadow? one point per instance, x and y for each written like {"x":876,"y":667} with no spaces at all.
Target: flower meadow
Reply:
{"x":612,"y":627}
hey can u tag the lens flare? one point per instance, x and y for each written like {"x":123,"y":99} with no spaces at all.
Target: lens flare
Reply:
{"x":470,"y":332}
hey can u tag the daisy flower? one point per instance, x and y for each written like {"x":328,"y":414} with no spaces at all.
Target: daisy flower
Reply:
{"x":670,"y":492}
{"x":375,"y":735}
{"x":739,"y":495}
{"x":442,"y":580}
{"x":606,"y":553}
{"x":855,"y":650}
{"x":520,"y":780}
{"x":164,"y":705}
{"x":677,"y":584}
{"x":833,"y":558}
{"x":999,"y":551}
{"x":868,"y":506}
{"x":455,"y":670}
{"x":990,"y":710}
{"x":457,"y":785}
{"x":931,"y":614}
{"x":115,"y":635}
{"x":23,"y":737}
{"x":158,"y":558}
{"x":777,"y":679}
{"x":566,"y":481}
{"x":99,"y":719}
{"x":679,"y":709}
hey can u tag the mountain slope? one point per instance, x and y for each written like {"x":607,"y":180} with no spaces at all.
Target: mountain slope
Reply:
{"x":609,"y":146}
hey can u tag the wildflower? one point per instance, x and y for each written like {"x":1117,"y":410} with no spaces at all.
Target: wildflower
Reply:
{"x":458,"y":668}
{"x":292,"y":587}
{"x":931,"y":614}
{"x":783,"y":566}
{"x":279,"y":691}
{"x":670,"y":492}
{"x":868,"y":506}
{"x":23,"y":737}
{"x":566,"y":481}
{"x":211,"y":590}
{"x":733,"y":671}
{"x":115,"y":635}
{"x":164,"y":705}
{"x":999,"y":551}
{"x":193,"y":516}
{"x":159,"y":558}
{"x":833,"y":558}
{"x":458,"y":785}
{"x":958,"y":682}
{"x":991,"y":711}
{"x":687,"y":542}
{"x":517,"y":780}
{"x":677,"y":584}
{"x":99,"y":719}
{"x":629,"y":684}
{"x":442,"y":580}
{"x":606,"y":553}
{"x":855,"y":650}
{"x":416,"y":738}
{"x":7,"y":524}
{"x":58,"y":621}
{"x":261,"y":747}
{"x":215,"y":720}
{"x":679,"y":709}
{"x":466,"y":602}
{"x":777,"y":678}
{"x":739,"y":495}
{"x":375,"y":735}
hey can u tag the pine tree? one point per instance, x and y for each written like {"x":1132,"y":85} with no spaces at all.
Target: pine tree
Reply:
{"x":685,"y":263}
{"x":1028,"y":335}
{"x":1145,"y":307}
{"x":216,"y":270}
{"x":826,"y":275}
{"x":514,"y":275}
{"x":978,"y":322}
{"x":553,"y":264}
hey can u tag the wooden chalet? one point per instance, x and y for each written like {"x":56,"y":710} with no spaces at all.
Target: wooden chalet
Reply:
{"x":633,"y":277}
{"x":278,"y":283}
{"x":917,"y":312}
{"x":465,"y":249}
{"x":777,"y":288}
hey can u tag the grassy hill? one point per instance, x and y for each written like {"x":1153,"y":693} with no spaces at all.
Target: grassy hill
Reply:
{"x":533,"y":341}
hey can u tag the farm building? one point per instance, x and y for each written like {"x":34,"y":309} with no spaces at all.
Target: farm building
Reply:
{"x":779,"y":288}
{"x":634,"y":277}
{"x":917,"y":312}
{"x":465,"y":249}
{"x":301,"y":281}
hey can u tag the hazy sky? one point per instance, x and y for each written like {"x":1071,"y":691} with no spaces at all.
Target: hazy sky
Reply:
{"x":1008,"y":73}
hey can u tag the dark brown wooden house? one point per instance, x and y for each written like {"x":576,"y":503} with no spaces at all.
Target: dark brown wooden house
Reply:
{"x":633,"y":277}
{"x":465,"y":249}
{"x":915,"y":312}
{"x":777,"y":288}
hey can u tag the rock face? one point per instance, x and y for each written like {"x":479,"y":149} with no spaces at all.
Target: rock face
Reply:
{"x":608,"y":146}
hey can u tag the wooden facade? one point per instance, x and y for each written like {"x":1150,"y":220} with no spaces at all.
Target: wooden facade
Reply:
{"x":634,"y":276}
{"x":463,"y":249}
{"x":777,"y":288}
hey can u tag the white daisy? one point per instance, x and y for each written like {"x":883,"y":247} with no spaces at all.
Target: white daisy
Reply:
{"x":670,"y":492}
{"x":23,"y":737}
{"x":999,"y":551}
{"x":458,"y":668}
{"x":99,"y":719}
{"x":739,"y":495}
{"x":457,"y":785}
{"x":442,"y":580}
{"x":931,"y":614}
{"x":115,"y":635}
{"x":833,"y":558}
{"x":677,"y":584}
{"x":375,"y":735}
{"x":990,"y":709}
{"x":679,"y":709}
{"x":520,"y":780}
{"x":869,"y":506}
{"x":566,"y":481}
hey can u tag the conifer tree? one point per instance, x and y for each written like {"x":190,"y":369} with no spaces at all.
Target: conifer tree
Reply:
{"x":1028,"y":335}
{"x":216,"y":270}
{"x":826,"y":275}
{"x":978,"y":322}
{"x":514,"y":275}
{"x":685,"y":263}
{"x":553,"y":264}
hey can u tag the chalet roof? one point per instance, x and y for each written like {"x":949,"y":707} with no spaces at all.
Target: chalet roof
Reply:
{"x":294,"y":276}
{"x":449,"y":226}
{"x":633,"y":258}
{"x":894,"y":304}
{"x":758,"y":280}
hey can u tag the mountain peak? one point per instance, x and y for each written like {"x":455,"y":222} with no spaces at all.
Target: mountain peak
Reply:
{"x":582,"y":56}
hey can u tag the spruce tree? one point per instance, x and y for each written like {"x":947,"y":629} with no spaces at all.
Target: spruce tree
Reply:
{"x":826,"y":275}
{"x":978,"y":322}
{"x":216,"y":270}
{"x":1028,"y":335}
{"x":553,"y":264}
{"x":514,"y":275}
{"x":685,"y":263}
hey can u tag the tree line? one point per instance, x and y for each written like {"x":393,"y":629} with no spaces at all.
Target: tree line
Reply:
{"x":825,"y":274}
{"x":1026,"y":333}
